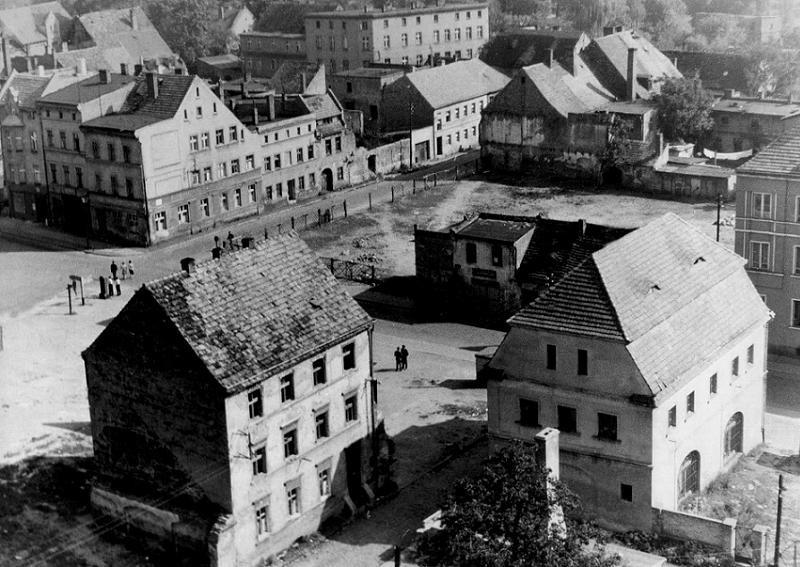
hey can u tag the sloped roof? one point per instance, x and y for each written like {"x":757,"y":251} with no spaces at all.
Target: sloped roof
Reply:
{"x":717,"y":71}
{"x":781,"y":157}
{"x":757,"y":106}
{"x":256,"y":312}
{"x":456,"y":82}
{"x":26,"y":88}
{"x":323,"y":106}
{"x":111,"y":29}
{"x":88,"y":89}
{"x":95,"y":57}
{"x":676,"y":297}
{"x":26,"y":23}
{"x":498,"y":228}
{"x":524,"y":47}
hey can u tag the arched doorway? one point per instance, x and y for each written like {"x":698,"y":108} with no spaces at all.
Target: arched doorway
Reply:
{"x":372,"y":163}
{"x":733,"y":434}
{"x":689,"y":475}
{"x":327,"y":179}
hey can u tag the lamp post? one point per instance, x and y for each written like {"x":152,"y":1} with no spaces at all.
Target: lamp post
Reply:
{"x":85,"y":201}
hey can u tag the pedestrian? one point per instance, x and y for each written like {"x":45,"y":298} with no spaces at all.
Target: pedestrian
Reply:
{"x":130,"y":269}
{"x":404,"y":358}
{"x":230,"y":240}
{"x":124,"y":270}
{"x":113,"y":269}
{"x":119,"y":288}
{"x":216,"y":241}
{"x":398,"y":360}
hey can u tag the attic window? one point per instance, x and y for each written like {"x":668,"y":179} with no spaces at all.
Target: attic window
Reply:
{"x":699,"y":259}
{"x":654,"y":287}
{"x":315,"y":304}
{"x":522,"y":80}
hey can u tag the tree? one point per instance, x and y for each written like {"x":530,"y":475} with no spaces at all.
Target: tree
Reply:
{"x":666,"y":22}
{"x":771,"y":70}
{"x":503,"y":518}
{"x":684,"y":110}
{"x":618,"y":145}
{"x":188,"y":27}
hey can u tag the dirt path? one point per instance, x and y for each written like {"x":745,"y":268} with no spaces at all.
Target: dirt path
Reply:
{"x":454,"y":207}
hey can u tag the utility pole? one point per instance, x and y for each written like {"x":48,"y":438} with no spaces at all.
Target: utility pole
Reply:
{"x":719,"y":212}
{"x":778,"y":521}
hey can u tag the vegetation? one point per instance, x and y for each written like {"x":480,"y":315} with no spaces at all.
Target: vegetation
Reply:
{"x":684,"y":110}
{"x":511,"y":515}
{"x":188,"y":27}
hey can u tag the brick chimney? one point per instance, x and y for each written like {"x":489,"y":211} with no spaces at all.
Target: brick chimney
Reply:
{"x":123,"y":68}
{"x":630,"y":93}
{"x":6,"y":57}
{"x":547,"y":450}
{"x":271,"y":107}
{"x":550,"y":57}
{"x":132,"y":18}
{"x":105,"y":77}
{"x":152,"y":84}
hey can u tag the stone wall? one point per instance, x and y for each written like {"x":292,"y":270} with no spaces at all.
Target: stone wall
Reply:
{"x":683,"y":526}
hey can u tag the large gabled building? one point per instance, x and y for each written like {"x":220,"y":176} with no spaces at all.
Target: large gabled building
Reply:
{"x":649,"y":357}
{"x":233,"y":405}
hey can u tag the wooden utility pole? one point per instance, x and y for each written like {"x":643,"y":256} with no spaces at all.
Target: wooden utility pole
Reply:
{"x":719,"y":212}
{"x":778,"y":521}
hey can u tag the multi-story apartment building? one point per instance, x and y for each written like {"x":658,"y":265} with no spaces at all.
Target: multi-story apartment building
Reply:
{"x":173,"y":160}
{"x":253,"y":405}
{"x":263,"y":53}
{"x":649,"y":357}
{"x":62,"y":113}
{"x":768,"y":236}
{"x":742,"y":123}
{"x":349,"y":39}
{"x":448,"y":100}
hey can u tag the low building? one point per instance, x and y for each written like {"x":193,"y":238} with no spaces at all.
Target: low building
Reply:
{"x":768,"y":235}
{"x":687,"y":177}
{"x":743,"y":123}
{"x":174,"y":160}
{"x":238,"y":396}
{"x":448,"y":99}
{"x":362,"y":90}
{"x":498,"y":263}
{"x":649,"y":358}
{"x":227,"y":67}
{"x":263,"y":53}
{"x":233,"y":23}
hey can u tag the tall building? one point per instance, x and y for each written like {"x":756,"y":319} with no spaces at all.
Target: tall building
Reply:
{"x":263,"y":53}
{"x":233,"y":405}
{"x":349,"y":39}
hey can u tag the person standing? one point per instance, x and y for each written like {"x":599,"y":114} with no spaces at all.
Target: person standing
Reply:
{"x":124,"y":270}
{"x":113,"y":269}
{"x":404,"y":358}
{"x":398,"y":360}
{"x":130,"y":269}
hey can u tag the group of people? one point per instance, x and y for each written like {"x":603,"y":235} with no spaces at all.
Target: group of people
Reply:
{"x":401,"y":358}
{"x":125,"y":270}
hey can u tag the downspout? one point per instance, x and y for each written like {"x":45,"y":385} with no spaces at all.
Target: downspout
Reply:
{"x":44,"y":166}
{"x":373,"y":399}
{"x":147,"y":238}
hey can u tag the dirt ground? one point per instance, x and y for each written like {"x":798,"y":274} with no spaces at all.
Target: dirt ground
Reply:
{"x":384,"y":237}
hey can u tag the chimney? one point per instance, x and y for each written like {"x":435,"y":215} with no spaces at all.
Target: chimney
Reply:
{"x":105,"y":77}
{"x":221,"y":92}
{"x":221,"y":12}
{"x":40,"y":70}
{"x":631,"y":84}
{"x":6,"y":57}
{"x":123,"y":68}
{"x":64,"y":46}
{"x":550,"y":57}
{"x":132,"y":17}
{"x":305,"y":84}
{"x":137,"y":69}
{"x":547,"y":450}
{"x":152,"y":84}
{"x":187,"y":265}
{"x":271,"y":107}
{"x":28,"y":64}
{"x":582,"y":226}
{"x":255,"y":113}
{"x":81,"y":67}
{"x":790,"y":99}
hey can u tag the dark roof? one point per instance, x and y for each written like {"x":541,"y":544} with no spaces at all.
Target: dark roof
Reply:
{"x":122,"y":122}
{"x":171,"y":91}
{"x":378,"y":14}
{"x":757,"y":106}
{"x":781,"y":157}
{"x":88,"y":89}
{"x":523,"y":47}
{"x":696,"y":170}
{"x":323,"y":106}
{"x":26,"y":88}
{"x":497,"y":228}
{"x":717,"y":71}
{"x":256,"y":312}
{"x":449,"y":84}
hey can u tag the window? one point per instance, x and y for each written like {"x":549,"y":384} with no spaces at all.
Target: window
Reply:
{"x":365,"y":43}
{"x":223,"y":201}
{"x":567,"y":419}
{"x":206,"y":174}
{"x":160,"y":220}
{"x":447,"y":35}
{"x":237,"y":197}
{"x":49,"y":138}
{"x":350,"y":409}
{"x":349,"y":356}
{"x":195,"y":177}
{"x":249,"y":162}
{"x":672,"y":416}
{"x":233,"y":134}
{"x":112,"y":152}
{"x":258,"y":458}
{"x":457,"y":34}
{"x":199,"y":112}
{"x":419,"y":61}
{"x":436,"y":37}
{"x":436,"y":18}
{"x":626,"y":492}
{"x":276,"y":161}
{"x":262,"y":520}
{"x":340,"y":174}
{"x":290,"y":441}
{"x":126,"y":154}
{"x":735,"y":367}
{"x":219,"y":136}
{"x":386,"y":42}
{"x":418,"y":38}
{"x":762,"y":205}
{"x":34,"y":142}
{"x":472,"y":253}
{"x":65,"y":170}
{"x":63,"y":138}
{"x":310,"y":152}
{"x":583,"y":362}
{"x":267,"y":163}
{"x":254,"y":403}
{"x":759,"y":255}
{"x":194,"y":144}
{"x":479,"y":31}
{"x":528,"y":413}
{"x":53,"y":173}
{"x":78,"y":177}
{"x":497,"y":255}
{"x":733,"y":434}
{"x":404,"y":40}
{"x":205,"y":209}
{"x":689,"y":475}
{"x":222,"y":170}
{"x":235,"y":166}
{"x":299,"y":155}
{"x":312,"y":179}
{"x":689,"y":404}
{"x":796,"y":313}
{"x":205,"y":141}
{"x":447,"y":116}
{"x":287,"y":388}
{"x":95,"y":149}
{"x":338,"y":143}
{"x":551,"y":357}
{"x":324,"y":478}
{"x":328,"y":147}
{"x":712,"y":384}
{"x":279,"y":189}
{"x":301,"y":183}
{"x":293,"y":500}
{"x":76,"y":142}
{"x":251,"y":192}
{"x":268,"y":192}
{"x":468,"y":32}
{"x":318,"y":370}
{"x":607,"y":426}
{"x":37,"y":174}
{"x":321,"y":424}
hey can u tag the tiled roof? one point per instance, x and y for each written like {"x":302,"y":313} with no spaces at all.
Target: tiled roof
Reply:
{"x":523,"y":47}
{"x":765,"y":107}
{"x":26,"y":24}
{"x":495,"y":228}
{"x":25,"y":88}
{"x":717,"y":71}
{"x":781,"y":157}
{"x":88,"y":89}
{"x":172,"y":90}
{"x":323,"y":106}
{"x":111,"y":29}
{"x":456,"y":82}
{"x":95,"y":57}
{"x":676,"y":297}
{"x":254,"y":313}
{"x":122,"y":122}
{"x":697,"y":170}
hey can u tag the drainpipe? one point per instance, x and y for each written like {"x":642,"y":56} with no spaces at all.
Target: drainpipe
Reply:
{"x":46,"y":173}
{"x":147,"y":239}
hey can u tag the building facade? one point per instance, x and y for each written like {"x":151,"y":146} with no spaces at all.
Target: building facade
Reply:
{"x":362,"y":90}
{"x":768,"y":236}
{"x":261,"y":446}
{"x":349,"y":39}
{"x":655,"y":383}
{"x":263,"y":53}
{"x":742,"y":123}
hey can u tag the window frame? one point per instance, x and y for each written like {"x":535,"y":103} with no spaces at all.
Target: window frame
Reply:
{"x":764,"y":258}
{"x":319,"y":374}
{"x":551,"y":357}
{"x":583,"y":362}
{"x":528,"y":412}
{"x":604,"y":431}
{"x":572,"y":414}
{"x":287,"y":388}
{"x":291,"y":445}
{"x":322,"y":427}
{"x":758,"y":211}
{"x":349,"y":361}
{"x":255,"y":402}
{"x":351,"y":408}
{"x":258,"y":459}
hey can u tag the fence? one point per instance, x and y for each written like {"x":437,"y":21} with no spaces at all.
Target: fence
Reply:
{"x":354,"y":271}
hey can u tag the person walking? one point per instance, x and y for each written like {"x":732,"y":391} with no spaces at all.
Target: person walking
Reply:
{"x":113,"y":269}
{"x":404,"y":358}
{"x":398,"y":360}
{"x":124,"y":270}
{"x":130,"y":269}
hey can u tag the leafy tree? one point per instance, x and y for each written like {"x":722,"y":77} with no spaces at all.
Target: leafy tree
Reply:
{"x":503,"y":518}
{"x":717,"y":33}
{"x":592,"y":15}
{"x":772,"y":70}
{"x":666,"y":22}
{"x":188,"y":27}
{"x":618,"y":145}
{"x":497,"y":17}
{"x":684,"y":110}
